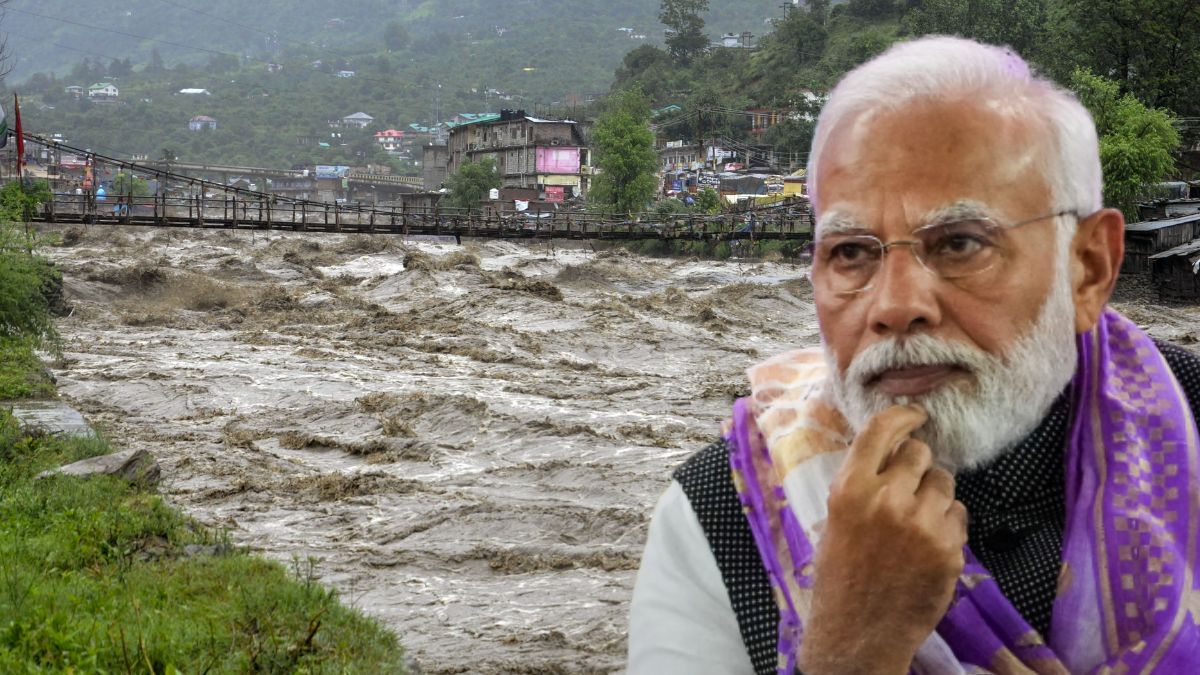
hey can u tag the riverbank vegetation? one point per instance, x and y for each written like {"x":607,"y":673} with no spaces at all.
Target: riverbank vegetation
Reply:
{"x":28,"y":286}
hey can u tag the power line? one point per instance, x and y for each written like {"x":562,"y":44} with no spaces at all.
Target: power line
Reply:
{"x":68,"y":48}
{"x":271,"y":35}
{"x":219,"y":18}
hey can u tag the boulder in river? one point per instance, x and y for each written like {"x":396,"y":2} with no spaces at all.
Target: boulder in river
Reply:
{"x":135,"y":466}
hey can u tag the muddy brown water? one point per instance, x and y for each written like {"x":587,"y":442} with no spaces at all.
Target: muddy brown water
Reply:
{"x":468,"y":440}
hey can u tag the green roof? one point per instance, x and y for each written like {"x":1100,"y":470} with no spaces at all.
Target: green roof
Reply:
{"x":484,"y":117}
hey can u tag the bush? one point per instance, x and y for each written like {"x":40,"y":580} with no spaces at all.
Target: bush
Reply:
{"x":27,"y":284}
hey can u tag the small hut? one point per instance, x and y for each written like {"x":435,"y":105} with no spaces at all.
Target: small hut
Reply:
{"x":1151,"y":237}
{"x":1176,"y":272}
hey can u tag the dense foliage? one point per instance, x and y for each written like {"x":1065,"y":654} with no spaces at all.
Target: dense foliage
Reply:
{"x":470,"y":184}
{"x":581,"y":36}
{"x":28,"y":283}
{"x":1136,"y":142}
{"x":685,"y":28}
{"x":623,"y":150}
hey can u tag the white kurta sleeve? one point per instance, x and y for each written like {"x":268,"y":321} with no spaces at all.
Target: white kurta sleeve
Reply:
{"x":681,"y":620}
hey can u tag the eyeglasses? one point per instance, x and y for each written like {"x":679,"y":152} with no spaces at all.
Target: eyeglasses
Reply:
{"x":848,"y":263}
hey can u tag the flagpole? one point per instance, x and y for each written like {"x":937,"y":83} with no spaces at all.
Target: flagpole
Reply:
{"x":20,"y":152}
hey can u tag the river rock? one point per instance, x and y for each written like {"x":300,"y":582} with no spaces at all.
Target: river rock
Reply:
{"x":52,"y":417}
{"x":135,"y":466}
{"x":209,"y":550}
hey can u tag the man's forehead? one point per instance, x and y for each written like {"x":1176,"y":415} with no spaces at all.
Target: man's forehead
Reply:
{"x":907,"y":164}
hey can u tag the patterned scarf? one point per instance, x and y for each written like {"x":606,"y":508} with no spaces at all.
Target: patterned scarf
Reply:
{"x":1128,"y":599}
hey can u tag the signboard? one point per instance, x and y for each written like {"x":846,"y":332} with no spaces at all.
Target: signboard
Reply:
{"x":555,"y":194}
{"x":557,"y":160}
{"x":327,"y":171}
{"x":711,"y":180}
{"x":677,"y":185}
{"x":72,"y":161}
{"x":572,"y":181}
{"x":774,"y":184}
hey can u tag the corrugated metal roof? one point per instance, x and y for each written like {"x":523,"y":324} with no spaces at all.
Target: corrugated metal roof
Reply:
{"x":1152,"y":225}
{"x":1185,"y":249}
{"x":479,"y":119}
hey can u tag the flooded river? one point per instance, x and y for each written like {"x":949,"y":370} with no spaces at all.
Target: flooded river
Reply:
{"x":468,"y":439}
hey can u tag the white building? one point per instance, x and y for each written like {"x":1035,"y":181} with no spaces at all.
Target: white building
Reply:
{"x":103,"y":90}
{"x":359,"y":119}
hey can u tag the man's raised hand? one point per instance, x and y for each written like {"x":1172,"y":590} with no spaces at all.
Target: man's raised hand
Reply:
{"x":889,"y":555}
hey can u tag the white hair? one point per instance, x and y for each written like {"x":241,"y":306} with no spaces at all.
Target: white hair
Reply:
{"x":944,"y":67}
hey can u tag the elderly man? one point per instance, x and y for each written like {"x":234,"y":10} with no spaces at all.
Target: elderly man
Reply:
{"x":983,"y":468}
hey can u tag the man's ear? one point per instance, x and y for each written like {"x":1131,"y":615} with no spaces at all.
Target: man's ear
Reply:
{"x":1096,"y":255}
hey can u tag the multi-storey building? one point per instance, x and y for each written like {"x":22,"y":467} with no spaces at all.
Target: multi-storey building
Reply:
{"x":549,"y":155}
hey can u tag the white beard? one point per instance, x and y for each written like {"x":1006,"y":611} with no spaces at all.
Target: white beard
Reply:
{"x":1003,"y":399}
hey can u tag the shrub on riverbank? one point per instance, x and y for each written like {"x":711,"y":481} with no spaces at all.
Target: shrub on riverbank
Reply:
{"x":28,"y":285}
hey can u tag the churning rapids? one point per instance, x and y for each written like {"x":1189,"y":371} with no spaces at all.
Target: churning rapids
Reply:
{"x":469,"y":440}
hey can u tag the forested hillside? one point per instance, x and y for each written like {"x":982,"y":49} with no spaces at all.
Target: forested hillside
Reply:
{"x":414,"y":62}
{"x":580,"y":36}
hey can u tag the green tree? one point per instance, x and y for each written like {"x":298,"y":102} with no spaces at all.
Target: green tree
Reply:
{"x":1021,"y":24}
{"x":623,"y":151}
{"x":647,"y":66}
{"x":1150,"y":47}
{"x":686,"y":38}
{"x":873,"y":9}
{"x":471,"y":183}
{"x":155,"y":66}
{"x":797,"y":41}
{"x":1136,"y":142}
{"x":708,"y":201}
{"x":395,"y":37}
{"x":125,"y":183}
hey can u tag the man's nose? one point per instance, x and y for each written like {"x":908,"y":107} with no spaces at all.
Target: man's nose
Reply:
{"x":903,"y":294}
